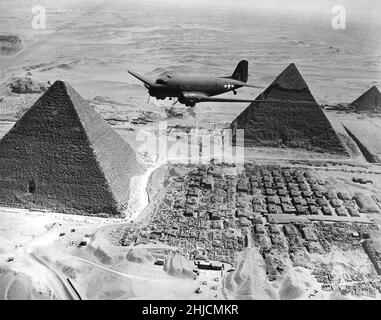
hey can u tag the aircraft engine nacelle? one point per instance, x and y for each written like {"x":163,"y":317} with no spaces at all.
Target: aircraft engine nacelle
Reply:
{"x":188,"y":99}
{"x":156,"y":94}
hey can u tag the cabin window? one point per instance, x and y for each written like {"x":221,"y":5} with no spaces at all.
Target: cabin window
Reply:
{"x":32,"y":186}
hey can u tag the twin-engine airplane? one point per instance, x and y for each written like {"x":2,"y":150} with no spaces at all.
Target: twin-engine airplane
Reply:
{"x":191,"y":90}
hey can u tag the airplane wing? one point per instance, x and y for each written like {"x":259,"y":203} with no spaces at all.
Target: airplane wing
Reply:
{"x":217,"y":99}
{"x":202,"y":97}
{"x":252,"y":85}
{"x":146,"y":81}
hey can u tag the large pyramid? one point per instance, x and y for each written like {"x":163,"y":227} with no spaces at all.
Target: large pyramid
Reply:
{"x":292,"y":118}
{"x":63,"y":156}
{"x":370,"y":101}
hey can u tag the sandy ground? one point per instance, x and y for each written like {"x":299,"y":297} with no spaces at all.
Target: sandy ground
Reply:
{"x":44,"y":250}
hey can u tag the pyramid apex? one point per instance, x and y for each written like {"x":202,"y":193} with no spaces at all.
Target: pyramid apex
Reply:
{"x":291,"y":78}
{"x":289,"y":85}
{"x":292,"y":65}
{"x":59,"y":83}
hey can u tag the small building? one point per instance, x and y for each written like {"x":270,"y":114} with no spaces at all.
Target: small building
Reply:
{"x":273,"y":200}
{"x":272,"y":208}
{"x":335,"y":203}
{"x":242,"y":185}
{"x":309,"y":234}
{"x":294,"y":193}
{"x":322,"y":202}
{"x":301,"y":210}
{"x":288,"y":208}
{"x":353,"y":212}
{"x":257,"y":199}
{"x":160,"y":262}
{"x":341,"y":212}
{"x":290,"y":230}
{"x":327,"y":211}
{"x":193,"y":192}
{"x":203,"y":264}
{"x":207,"y":182}
{"x":313,"y":210}
{"x":307,"y":194}
{"x":214,"y":265}
{"x":331,"y":194}
{"x":343,"y":195}
{"x":318,"y":194}
{"x":244,"y":222}
{"x":285,"y":199}
{"x":259,"y":229}
{"x":274,"y":229}
{"x":297,"y":201}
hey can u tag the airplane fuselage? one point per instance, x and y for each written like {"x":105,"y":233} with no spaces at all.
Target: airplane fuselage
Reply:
{"x":173,"y":86}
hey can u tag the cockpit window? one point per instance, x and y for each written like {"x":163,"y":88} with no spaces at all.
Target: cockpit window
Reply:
{"x":161,"y":81}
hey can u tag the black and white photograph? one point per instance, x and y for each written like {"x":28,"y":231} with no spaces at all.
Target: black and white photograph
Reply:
{"x":178,"y":150}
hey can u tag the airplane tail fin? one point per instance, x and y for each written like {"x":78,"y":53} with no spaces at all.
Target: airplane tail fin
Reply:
{"x":241,"y":71}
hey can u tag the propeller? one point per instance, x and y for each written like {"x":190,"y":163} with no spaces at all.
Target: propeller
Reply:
{"x":148,"y":98}
{"x":177,"y":100}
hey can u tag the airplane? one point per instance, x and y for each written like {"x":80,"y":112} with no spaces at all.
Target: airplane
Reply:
{"x":190,"y":90}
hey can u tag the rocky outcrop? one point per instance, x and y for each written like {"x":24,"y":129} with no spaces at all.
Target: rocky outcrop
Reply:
{"x":26,"y":85}
{"x":179,"y":266}
{"x":139,"y":256}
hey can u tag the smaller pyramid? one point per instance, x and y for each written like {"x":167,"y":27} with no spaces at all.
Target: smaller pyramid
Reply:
{"x":370,"y":101}
{"x":287,"y":115}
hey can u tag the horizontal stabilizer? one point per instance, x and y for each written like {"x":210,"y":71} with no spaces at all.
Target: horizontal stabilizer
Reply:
{"x":244,"y":84}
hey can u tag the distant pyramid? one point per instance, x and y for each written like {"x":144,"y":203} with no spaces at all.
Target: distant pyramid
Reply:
{"x":288,"y":122}
{"x":370,"y":101}
{"x":61,"y":155}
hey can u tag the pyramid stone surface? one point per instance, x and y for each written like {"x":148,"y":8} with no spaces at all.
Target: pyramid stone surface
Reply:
{"x":291,"y":119}
{"x":63,"y":156}
{"x":370,"y":101}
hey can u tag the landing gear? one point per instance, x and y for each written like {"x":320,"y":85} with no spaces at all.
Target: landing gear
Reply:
{"x":187,"y":102}
{"x":235,"y":92}
{"x":190,"y":104}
